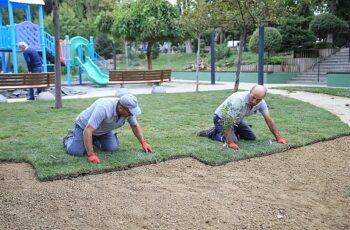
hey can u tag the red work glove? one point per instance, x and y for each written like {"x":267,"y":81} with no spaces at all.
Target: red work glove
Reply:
{"x":281,"y":140}
{"x":93,"y":158}
{"x":232,"y":145}
{"x":146,"y":147}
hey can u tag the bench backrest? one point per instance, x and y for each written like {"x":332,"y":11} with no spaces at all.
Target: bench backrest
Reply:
{"x":139,"y":76}
{"x":26,"y":80}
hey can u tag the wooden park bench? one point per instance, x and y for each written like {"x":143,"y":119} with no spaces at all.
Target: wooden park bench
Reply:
{"x":26,"y":80}
{"x":139,"y":76}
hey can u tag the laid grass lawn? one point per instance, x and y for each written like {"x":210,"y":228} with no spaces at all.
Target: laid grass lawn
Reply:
{"x":341,"y":92}
{"x":32,"y":132}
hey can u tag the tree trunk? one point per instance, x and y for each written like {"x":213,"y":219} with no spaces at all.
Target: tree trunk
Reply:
{"x":197,"y":63}
{"x":220,"y":35}
{"x":332,"y":6}
{"x":239,"y":61}
{"x":114,"y":48}
{"x":149,"y":55}
{"x":56,"y":23}
{"x":126,"y":54}
{"x":332,"y":9}
{"x":188,"y":46}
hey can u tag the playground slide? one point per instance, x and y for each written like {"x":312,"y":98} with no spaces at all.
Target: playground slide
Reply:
{"x":92,"y":71}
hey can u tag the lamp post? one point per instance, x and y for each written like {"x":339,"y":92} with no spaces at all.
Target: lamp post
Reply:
{"x":261,"y":56}
{"x":261,"y":50}
{"x":212,"y":58}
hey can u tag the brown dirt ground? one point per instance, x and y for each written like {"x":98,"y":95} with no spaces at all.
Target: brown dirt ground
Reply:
{"x":304,"y":188}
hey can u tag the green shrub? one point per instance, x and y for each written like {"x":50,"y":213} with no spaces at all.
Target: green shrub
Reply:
{"x":155,"y":51}
{"x":141,"y":54}
{"x":222,"y":52}
{"x":296,"y":34}
{"x":21,"y":69}
{"x":324,"y":45}
{"x":325,"y":24}
{"x":272,"y":40}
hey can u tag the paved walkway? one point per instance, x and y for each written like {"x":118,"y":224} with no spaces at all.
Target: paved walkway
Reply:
{"x":337,"y":105}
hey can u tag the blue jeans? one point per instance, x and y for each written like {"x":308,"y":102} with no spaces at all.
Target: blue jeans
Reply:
{"x":242,"y":131}
{"x":75,"y":145}
{"x":31,"y":90}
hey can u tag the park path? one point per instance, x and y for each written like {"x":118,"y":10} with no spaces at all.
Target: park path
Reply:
{"x":339,"y":106}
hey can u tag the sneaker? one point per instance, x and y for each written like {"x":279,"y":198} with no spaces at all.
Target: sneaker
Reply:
{"x":69,"y":135}
{"x":204,"y":132}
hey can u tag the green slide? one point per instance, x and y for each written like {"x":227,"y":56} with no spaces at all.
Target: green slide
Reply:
{"x":91,"y":70}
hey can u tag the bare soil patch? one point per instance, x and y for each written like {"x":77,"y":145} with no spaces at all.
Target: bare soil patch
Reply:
{"x":304,"y":188}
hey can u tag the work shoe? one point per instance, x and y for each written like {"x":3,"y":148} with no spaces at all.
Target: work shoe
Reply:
{"x":69,"y":135}
{"x":205,"y":132}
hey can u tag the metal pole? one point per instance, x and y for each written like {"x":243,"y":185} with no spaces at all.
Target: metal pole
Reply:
{"x":212,"y":58}
{"x":261,"y":56}
{"x":42,"y":37}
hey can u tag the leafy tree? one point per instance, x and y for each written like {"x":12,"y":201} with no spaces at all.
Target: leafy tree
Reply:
{"x":196,"y":22}
{"x":272,"y":40}
{"x":295,"y":33}
{"x":325,"y":24}
{"x":104,"y":23}
{"x":149,"y":21}
{"x":70,"y":23}
{"x":241,"y":17}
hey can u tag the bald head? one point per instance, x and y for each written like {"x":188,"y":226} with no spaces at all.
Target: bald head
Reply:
{"x":257,"y":93}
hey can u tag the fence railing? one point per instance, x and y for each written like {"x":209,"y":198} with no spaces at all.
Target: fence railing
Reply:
{"x":271,"y":68}
{"x":299,"y":62}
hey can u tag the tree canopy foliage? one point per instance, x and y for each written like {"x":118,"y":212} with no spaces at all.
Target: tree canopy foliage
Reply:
{"x":272,"y":40}
{"x":324,"y":24}
{"x":148,"y":21}
{"x":296,"y":34}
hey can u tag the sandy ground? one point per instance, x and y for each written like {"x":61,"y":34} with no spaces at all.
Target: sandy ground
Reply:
{"x":304,"y":188}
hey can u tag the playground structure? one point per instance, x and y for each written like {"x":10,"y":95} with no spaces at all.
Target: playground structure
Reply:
{"x":75,"y":52}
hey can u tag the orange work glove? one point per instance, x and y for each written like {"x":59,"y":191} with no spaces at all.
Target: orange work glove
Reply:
{"x":146,"y":147}
{"x":281,"y":140}
{"x":232,"y":145}
{"x":93,"y":158}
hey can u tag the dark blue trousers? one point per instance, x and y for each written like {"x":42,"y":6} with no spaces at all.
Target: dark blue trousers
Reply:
{"x":75,"y":145}
{"x":31,"y":90}
{"x":242,"y":131}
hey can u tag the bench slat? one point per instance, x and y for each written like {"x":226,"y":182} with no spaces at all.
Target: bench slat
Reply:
{"x":27,"y":80}
{"x":139,"y":76}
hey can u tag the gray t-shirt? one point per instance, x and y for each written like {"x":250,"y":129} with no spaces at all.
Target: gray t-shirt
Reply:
{"x":102,"y":116}
{"x":237,"y":106}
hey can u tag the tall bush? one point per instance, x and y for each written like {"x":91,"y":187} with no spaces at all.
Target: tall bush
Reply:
{"x":325,"y":24}
{"x":272,"y":40}
{"x":296,"y":34}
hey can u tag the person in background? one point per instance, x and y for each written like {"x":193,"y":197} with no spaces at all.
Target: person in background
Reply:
{"x":34,"y":64}
{"x":94,"y":127}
